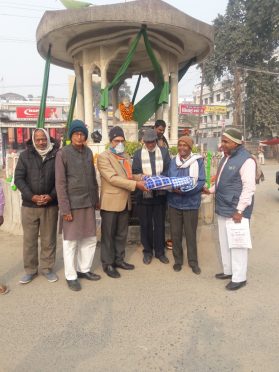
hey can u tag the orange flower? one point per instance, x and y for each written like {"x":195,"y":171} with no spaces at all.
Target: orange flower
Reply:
{"x":127,"y":113}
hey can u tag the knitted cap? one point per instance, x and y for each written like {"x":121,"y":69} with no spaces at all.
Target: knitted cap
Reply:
{"x":186,"y":139}
{"x":116,"y":132}
{"x":78,"y":126}
{"x":149,"y":135}
{"x":234,"y":135}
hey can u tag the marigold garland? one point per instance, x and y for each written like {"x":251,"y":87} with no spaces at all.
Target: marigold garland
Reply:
{"x":127,"y":113}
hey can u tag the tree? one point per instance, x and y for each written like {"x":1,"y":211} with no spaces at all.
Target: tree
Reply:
{"x":248,"y":35}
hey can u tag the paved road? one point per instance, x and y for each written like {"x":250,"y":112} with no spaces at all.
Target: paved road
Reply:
{"x":152,"y":319}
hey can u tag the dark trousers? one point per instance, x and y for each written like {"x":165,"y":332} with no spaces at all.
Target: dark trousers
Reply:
{"x":189,"y":220}
{"x":152,"y":228}
{"x":114,"y":230}
{"x":37,"y":221}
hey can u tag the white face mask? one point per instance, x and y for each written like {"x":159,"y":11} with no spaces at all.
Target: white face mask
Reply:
{"x":119,"y":148}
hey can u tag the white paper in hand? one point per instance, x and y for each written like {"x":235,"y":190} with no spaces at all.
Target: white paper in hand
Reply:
{"x":239,"y":234}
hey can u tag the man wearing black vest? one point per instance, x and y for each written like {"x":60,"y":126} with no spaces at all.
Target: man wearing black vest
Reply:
{"x":234,"y":190}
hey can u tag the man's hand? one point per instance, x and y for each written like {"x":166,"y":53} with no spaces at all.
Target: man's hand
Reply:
{"x":97,"y":206}
{"x":237,"y":217}
{"x":68,"y":217}
{"x":141,"y":186}
{"x":41,"y":199}
{"x":1,"y":220}
{"x":177,"y":191}
{"x":37,"y":199}
{"x":46,"y":198}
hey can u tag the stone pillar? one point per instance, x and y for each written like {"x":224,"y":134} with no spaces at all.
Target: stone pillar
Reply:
{"x":104,"y":116}
{"x":159,"y":113}
{"x":166,"y":119}
{"x":80,"y":96}
{"x":114,"y":97}
{"x":88,"y":99}
{"x":174,"y":107}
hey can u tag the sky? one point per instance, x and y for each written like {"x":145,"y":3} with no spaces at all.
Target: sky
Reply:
{"x":22,"y":68}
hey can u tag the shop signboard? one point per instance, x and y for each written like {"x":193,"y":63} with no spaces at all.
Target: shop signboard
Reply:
{"x":190,"y":109}
{"x":32,"y":112}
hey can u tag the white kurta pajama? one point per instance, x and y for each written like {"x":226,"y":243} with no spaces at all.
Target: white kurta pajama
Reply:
{"x":235,"y":260}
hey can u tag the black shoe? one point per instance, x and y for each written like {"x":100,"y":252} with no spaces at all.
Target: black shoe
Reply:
{"x":73,"y":285}
{"x":112,"y":272}
{"x":164,"y":259}
{"x":125,"y":266}
{"x":233,"y":286}
{"x":147,"y":258}
{"x":89,"y":276}
{"x":223,"y":276}
{"x":196,"y":269}
{"x":177,"y":267}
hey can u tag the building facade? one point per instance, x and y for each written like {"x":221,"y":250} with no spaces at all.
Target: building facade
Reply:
{"x":18,"y":118}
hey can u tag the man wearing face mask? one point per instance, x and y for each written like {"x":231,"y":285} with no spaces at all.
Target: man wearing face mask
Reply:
{"x":152,"y":160}
{"x":117,"y":182}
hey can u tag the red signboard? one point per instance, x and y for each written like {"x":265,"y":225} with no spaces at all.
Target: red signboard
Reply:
{"x":32,"y":112}
{"x":189,"y":109}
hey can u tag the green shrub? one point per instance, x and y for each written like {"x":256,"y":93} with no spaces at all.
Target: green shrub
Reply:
{"x":132,"y":147}
{"x":173,"y":150}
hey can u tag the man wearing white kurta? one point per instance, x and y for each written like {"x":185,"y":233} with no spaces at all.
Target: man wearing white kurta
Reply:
{"x":234,"y":189}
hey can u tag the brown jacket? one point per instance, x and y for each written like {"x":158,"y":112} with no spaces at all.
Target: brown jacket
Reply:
{"x":115,"y":186}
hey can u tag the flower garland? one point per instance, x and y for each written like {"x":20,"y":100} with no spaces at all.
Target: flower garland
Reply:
{"x":127,"y":113}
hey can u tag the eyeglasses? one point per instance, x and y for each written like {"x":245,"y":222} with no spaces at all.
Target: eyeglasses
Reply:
{"x":118,"y":141}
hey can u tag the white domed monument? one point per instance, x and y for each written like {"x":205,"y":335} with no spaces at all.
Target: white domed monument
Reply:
{"x":143,"y":37}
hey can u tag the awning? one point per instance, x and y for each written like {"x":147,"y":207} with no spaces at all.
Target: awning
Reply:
{"x":273,"y":141}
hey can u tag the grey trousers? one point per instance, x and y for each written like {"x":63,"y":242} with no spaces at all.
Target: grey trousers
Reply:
{"x":189,"y":220}
{"x":37,"y":221}
{"x":114,"y":231}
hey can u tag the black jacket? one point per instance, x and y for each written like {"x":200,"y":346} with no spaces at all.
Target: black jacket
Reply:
{"x":35,"y":176}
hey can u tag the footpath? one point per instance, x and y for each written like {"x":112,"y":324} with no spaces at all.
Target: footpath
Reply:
{"x":152,"y":318}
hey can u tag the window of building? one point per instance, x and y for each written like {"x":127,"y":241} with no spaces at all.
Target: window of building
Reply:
{"x":228,"y":95}
{"x":210,"y":118}
{"x":217,"y":117}
{"x":218,"y":97}
{"x":206,"y":101}
{"x":211,"y":99}
{"x":227,"y":115}
{"x":205,"y":119}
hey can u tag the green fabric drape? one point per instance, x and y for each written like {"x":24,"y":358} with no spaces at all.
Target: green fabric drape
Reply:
{"x":120,"y":72}
{"x":136,"y":89}
{"x":149,"y":104}
{"x":73,"y":4}
{"x":152,"y":57}
{"x":146,"y":107}
{"x":71,"y":111}
{"x":41,"y":117}
{"x":163,"y":97}
{"x":185,"y":68}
